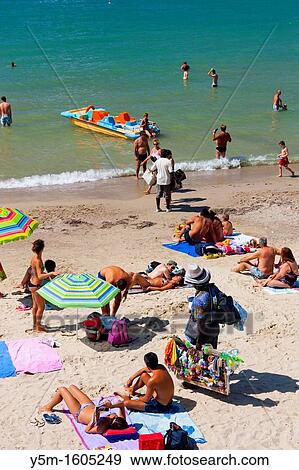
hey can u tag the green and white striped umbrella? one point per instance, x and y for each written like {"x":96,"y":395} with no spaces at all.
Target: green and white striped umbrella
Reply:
{"x":78,"y":290}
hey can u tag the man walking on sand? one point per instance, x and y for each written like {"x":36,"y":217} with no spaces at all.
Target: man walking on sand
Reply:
{"x":284,"y":159}
{"x":141,"y":152}
{"x":164,"y":168}
{"x":5,"y":112}
{"x":221,"y":139}
{"x":265,"y":258}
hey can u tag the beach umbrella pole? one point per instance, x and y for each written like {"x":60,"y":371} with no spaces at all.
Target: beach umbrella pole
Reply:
{"x":77,"y":327}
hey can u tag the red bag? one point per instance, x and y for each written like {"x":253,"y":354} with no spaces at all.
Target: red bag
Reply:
{"x":93,"y":327}
{"x":151,"y":441}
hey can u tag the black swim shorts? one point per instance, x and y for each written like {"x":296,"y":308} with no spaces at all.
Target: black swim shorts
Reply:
{"x":221,"y":149}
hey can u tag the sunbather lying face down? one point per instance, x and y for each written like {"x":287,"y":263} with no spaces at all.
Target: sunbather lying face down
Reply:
{"x":157,"y":284}
{"x":86,"y":412}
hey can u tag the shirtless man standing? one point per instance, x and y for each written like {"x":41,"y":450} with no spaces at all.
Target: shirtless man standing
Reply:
{"x":277,"y":102}
{"x":120,"y":279}
{"x":159,"y":387}
{"x":5,"y":112}
{"x":265,"y":257}
{"x":198,"y":228}
{"x":185,"y":69}
{"x":141,"y":152}
{"x":221,"y":141}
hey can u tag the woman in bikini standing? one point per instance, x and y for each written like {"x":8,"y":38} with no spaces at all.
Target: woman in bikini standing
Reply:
{"x":37,"y":276}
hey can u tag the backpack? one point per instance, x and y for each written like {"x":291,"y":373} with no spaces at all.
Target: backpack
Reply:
{"x":119,"y":334}
{"x":93,"y":327}
{"x":223,"y":306}
{"x":177,"y":439}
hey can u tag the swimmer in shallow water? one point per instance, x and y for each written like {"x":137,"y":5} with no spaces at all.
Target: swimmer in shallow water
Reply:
{"x":214,"y":75}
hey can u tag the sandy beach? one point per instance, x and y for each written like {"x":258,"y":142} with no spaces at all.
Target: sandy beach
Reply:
{"x":88,"y":226}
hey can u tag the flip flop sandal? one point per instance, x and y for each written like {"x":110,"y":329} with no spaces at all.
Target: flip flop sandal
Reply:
{"x":29,"y":331}
{"x":23,"y":308}
{"x":2,"y":296}
{"x":37,"y":420}
{"x":17,"y":292}
{"x":52,"y":418}
{"x":68,"y":333}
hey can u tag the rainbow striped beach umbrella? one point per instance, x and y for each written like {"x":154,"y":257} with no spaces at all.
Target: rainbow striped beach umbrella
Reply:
{"x":15,"y":225}
{"x":78,"y":290}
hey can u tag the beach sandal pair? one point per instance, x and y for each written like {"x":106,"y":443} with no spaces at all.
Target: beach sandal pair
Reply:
{"x":37,"y":420}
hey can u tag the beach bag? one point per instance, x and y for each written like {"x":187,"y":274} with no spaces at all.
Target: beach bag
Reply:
{"x":191,"y":330}
{"x":93,"y":327}
{"x":179,"y":175}
{"x":119,"y":334}
{"x":177,"y":439}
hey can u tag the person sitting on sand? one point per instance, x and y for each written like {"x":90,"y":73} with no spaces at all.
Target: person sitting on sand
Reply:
{"x":287,"y":274}
{"x":37,"y":277}
{"x":120,"y":279}
{"x":157,"y":284}
{"x":159,"y":387}
{"x":86,"y":412}
{"x":198,"y":228}
{"x":227,"y":226}
{"x":163,"y":270}
{"x":217,"y":226}
{"x":265,"y":257}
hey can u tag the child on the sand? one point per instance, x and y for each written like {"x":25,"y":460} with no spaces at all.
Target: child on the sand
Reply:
{"x":284,"y":159}
{"x":227,"y":226}
{"x":86,"y":412}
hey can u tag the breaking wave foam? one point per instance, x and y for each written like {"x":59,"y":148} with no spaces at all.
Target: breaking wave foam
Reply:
{"x":72,"y":177}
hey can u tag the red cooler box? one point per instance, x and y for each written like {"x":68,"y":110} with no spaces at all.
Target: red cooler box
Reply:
{"x":151,"y":441}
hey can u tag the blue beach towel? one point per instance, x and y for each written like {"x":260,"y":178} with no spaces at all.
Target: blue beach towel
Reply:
{"x":7,"y":368}
{"x":182,"y":247}
{"x":147,"y":423}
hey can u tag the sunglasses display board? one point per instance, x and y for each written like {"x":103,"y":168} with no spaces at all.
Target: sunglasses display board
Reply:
{"x":208,"y":368}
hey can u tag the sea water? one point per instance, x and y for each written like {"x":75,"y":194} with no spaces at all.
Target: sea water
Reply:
{"x":125,"y":55}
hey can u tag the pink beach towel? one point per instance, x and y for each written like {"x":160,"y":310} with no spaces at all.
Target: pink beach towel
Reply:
{"x":96,"y":441}
{"x":34,"y":355}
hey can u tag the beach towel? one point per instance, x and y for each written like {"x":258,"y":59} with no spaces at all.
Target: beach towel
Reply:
{"x":34,"y":355}
{"x":277,"y":291}
{"x":95,"y":441}
{"x":147,"y":423}
{"x":236,"y":240}
{"x":182,"y":247}
{"x":139,"y":290}
{"x":7,"y":368}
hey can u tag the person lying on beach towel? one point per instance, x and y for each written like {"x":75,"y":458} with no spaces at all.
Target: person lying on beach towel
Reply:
{"x":163,"y":270}
{"x":287,"y":274}
{"x":264,"y":258}
{"x":156,"y":284}
{"x":159,"y":387}
{"x":86,"y":412}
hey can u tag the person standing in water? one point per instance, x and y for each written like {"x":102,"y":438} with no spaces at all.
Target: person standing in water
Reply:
{"x":185,"y":69}
{"x":278,"y":105}
{"x":214,"y":75}
{"x":284,"y":159}
{"x":5,"y":112}
{"x":141,"y":151}
{"x":221,"y":139}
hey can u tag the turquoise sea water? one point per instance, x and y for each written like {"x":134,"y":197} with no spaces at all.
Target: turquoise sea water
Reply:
{"x":126,"y":55}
